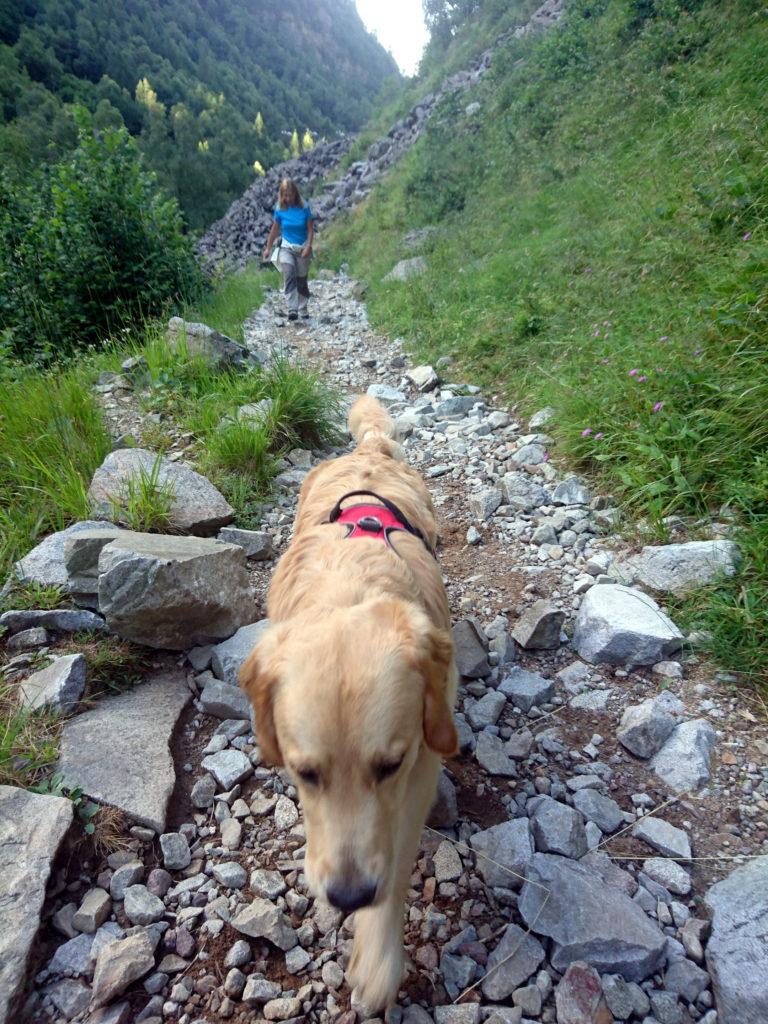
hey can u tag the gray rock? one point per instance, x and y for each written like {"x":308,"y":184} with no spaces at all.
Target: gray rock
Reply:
{"x":61,"y":620}
{"x":228,"y":657}
{"x":737,"y":952}
{"x":286,"y":814}
{"x":624,"y":998}
{"x":118,"y":752}
{"x":519,"y":744}
{"x":592,"y":700}
{"x":644,"y":728}
{"x":44,"y":564}
{"x":571,"y":492}
{"x":490,"y":755}
{"x":32,"y":827}
{"x":70,"y":997}
{"x":542,"y":418}
{"x":27,"y":639}
{"x":669,"y":874}
{"x":445,"y":809}
{"x":530,"y":455}
{"x":222,"y":700}
{"x":262,"y":920}
{"x":119,"y":964}
{"x":605,"y":813}
{"x":423,"y":378}
{"x":175,"y":850}
{"x":448,"y":866}
{"x":73,"y":959}
{"x":285,"y":1008}
{"x":258,"y":991}
{"x":256,"y":412}
{"x":622,"y":626}
{"x":269,"y":884}
{"x":526,"y":689}
{"x":544,"y":534}
{"x":504,"y":853}
{"x":173,"y":592}
{"x":125,"y":875}
{"x":196,"y":506}
{"x":486,"y":711}
{"x":386,"y":394}
{"x":666,"y":838}
{"x":59,"y":686}
{"x":201,"y":341}
{"x":482,"y":504}
{"x":141,"y":907}
{"x":81,"y":559}
{"x":238,"y":955}
{"x":228,"y":767}
{"x":686,"y":979}
{"x":666,"y":1008}
{"x":230,"y":874}
{"x":588,"y":920}
{"x":511,"y":963}
{"x":579,"y":995}
{"x":600,"y":864}
{"x":538,"y":628}
{"x":469,"y":651}
{"x":406,"y":269}
{"x":468,"y":1013}
{"x":203,"y":792}
{"x":93,"y":911}
{"x":558,"y":828}
{"x":456,"y":405}
{"x":683,"y":763}
{"x":678,"y":568}
{"x":118,"y":1013}
{"x":256,"y":544}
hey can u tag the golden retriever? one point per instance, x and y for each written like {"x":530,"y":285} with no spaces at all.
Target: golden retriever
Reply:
{"x":353,"y":687}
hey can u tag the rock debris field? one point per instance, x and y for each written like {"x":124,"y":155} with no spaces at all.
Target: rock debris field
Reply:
{"x":598,"y":851}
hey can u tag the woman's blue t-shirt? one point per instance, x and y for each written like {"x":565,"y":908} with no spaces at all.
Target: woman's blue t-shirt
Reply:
{"x":293,"y":223}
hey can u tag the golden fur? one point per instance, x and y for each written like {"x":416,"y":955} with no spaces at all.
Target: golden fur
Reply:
{"x":353,"y":687}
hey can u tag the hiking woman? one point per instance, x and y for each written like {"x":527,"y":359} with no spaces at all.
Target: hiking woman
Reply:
{"x":294,"y":221}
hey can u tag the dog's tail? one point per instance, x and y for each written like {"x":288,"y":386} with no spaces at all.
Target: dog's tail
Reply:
{"x":369,"y":420}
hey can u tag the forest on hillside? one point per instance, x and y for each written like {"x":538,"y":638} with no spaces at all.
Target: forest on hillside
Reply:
{"x":213,"y":90}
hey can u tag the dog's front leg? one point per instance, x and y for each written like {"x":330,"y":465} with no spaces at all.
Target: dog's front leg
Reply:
{"x":376,"y":967}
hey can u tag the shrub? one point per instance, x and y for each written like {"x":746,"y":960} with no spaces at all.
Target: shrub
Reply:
{"x":87,"y":247}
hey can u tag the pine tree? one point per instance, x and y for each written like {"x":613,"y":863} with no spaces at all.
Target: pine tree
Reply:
{"x":307,"y":142}
{"x":258,"y":124}
{"x":295,"y":147}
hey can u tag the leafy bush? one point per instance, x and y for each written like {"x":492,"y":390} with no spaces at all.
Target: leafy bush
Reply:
{"x":87,"y":247}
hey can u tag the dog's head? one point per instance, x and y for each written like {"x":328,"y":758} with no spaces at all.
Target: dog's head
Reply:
{"x":348,"y":704}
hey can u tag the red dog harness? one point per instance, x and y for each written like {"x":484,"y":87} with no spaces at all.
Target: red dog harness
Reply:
{"x":376,"y":521}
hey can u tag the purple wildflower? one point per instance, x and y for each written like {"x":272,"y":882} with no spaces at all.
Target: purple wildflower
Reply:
{"x":664,"y":337}
{"x":586,"y":432}
{"x":658,"y":407}
{"x":598,"y":435}
{"x":747,"y":236}
{"x":642,"y":378}
{"x":698,"y":352}
{"x":634,"y":373}
{"x":546,"y":456}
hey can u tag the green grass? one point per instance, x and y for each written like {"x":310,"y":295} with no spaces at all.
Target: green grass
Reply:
{"x":230,"y":301}
{"x":603,"y":248}
{"x":146,"y":503}
{"x":28,"y":741}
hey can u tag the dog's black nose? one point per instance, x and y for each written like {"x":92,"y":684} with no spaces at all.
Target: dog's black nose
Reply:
{"x":351,"y":897}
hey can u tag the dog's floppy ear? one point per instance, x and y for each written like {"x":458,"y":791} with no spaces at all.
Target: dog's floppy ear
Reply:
{"x":258,"y":679}
{"x":439,"y":727}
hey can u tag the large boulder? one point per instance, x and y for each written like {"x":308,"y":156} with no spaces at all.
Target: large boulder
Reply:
{"x":406,"y":269}
{"x":196,"y":506}
{"x":173,"y":592}
{"x":737,"y":952}
{"x":200,"y":340}
{"x":32,"y":827}
{"x":44,"y":564}
{"x":118,"y":753}
{"x":677,"y":568}
{"x":623,"y":626}
{"x":588,"y":920}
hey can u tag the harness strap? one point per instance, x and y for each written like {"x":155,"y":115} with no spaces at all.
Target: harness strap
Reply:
{"x":367,"y":524}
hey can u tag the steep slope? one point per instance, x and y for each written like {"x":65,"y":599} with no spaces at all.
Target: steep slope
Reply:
{"x":599,"y":245}
{"x":190,"y":79}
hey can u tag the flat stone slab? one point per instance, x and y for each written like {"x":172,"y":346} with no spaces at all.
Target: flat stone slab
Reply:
{"x":737,"y":951}
{"x":623,"y":626}
{"x":32,"y":827}
{"x":44,"y":564}
{"x":589,"y":920}
{"x":118,"y":753}
{"x":678,"y":568}
{"x":196,"y":505}
{"x":62,"y":620}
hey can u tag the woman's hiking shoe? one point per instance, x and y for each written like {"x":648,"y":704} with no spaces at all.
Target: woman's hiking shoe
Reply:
{"x":305,"y":315}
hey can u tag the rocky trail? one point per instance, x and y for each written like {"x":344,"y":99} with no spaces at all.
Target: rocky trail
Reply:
{"x":598,"y":851}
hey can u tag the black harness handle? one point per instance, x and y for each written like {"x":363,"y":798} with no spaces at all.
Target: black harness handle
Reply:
{"x":407,"y":526}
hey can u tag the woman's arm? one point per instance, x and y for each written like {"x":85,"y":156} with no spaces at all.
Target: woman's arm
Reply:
{"x":272,"y":234}
{"x":307,"y":250}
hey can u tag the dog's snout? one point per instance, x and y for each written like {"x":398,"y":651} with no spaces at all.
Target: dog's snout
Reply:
{"x":348,"y":896}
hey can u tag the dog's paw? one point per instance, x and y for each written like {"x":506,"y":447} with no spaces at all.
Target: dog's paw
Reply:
{"x":374,"y":974}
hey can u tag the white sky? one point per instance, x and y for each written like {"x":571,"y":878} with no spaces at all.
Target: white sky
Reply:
{"x":399,"y":25}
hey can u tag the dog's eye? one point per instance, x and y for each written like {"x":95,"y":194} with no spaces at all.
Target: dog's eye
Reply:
{"x":308,"y":776}
{"x":386,"y":769}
